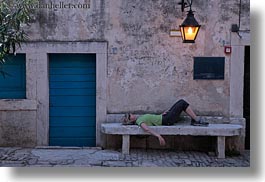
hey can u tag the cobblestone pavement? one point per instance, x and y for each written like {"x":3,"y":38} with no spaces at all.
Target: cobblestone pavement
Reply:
{"x":95,"y":157}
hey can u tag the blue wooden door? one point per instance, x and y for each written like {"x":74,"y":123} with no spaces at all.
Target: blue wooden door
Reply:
{"x":72,"y":99}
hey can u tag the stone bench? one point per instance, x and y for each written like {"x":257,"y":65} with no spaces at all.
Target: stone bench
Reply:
{"x":219,"y":130}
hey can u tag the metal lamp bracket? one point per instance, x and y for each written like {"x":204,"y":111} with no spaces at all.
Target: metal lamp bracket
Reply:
{"x":185,"y":4}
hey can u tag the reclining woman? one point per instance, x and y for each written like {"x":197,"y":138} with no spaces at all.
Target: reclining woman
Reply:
{"x":168,"y":118}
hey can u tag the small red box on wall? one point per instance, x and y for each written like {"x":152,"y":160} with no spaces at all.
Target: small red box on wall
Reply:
{"x":228,"y":50}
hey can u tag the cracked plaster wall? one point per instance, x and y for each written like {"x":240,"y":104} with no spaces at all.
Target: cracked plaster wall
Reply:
{"x":148,"y":70}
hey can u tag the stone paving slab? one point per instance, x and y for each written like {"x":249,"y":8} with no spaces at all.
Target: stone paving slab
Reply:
{"x":95,"y":157}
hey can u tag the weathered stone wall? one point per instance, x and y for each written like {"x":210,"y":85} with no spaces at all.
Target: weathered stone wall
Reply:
{"x":18,"y":123}
{"x":147,"y":70}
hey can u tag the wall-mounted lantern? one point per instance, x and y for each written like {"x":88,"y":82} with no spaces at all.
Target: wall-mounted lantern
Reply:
{"x":190,"y":27}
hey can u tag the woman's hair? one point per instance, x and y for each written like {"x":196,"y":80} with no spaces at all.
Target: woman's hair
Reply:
{"x":127,"y":120}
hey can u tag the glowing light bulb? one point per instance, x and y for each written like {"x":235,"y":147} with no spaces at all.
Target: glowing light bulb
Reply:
{"x":190,"y":30}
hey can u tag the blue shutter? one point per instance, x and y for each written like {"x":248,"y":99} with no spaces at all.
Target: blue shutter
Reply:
{"x":72,"y":99}
{"x":13,"y":77}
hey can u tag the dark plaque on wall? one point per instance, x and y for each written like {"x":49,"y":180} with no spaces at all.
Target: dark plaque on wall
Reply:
{"x":209,"y":68}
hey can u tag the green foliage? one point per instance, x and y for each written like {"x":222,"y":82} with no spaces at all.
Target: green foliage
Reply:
{"x":14,"y":14}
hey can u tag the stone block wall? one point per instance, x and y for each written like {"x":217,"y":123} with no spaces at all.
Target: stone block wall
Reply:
{"x":18,"y":125}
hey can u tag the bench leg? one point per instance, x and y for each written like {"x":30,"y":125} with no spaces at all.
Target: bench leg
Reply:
{"x":221,"y":147}
{"x":125,"y":144}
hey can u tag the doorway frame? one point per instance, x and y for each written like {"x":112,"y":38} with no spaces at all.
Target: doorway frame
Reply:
{"x":37,"y":54}
{"x":238,"y":44}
